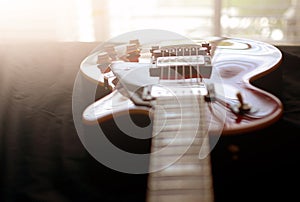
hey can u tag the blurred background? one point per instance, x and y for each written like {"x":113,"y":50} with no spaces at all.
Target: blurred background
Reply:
{"x":274,"y":21}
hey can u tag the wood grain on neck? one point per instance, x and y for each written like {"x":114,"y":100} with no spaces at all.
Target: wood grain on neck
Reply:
{"x":177,"y":170}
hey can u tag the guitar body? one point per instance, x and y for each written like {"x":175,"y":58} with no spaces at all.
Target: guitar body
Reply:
{"x":188,"y":91}
{"x":236,"y":62}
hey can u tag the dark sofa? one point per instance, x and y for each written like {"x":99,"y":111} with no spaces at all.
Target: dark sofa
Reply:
{"x":42,"y":158}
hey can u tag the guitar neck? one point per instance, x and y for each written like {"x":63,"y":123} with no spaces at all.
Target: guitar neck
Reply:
{"x":180,"y":168}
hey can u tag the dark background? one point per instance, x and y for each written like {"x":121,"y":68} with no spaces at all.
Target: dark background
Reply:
{"x":42,"y":158}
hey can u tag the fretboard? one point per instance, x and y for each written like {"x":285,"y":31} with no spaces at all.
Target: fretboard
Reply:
{"x":180,"y":168}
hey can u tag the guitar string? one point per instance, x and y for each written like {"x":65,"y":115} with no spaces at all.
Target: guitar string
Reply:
{"x":161,"y":69}
{"x":167,"y":53}
{"x":176,"y":66}
{"x":169,"y":68}
{"x":183,"y":74}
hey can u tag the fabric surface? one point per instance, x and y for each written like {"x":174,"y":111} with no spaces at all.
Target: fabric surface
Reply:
{"x":42,"y":158}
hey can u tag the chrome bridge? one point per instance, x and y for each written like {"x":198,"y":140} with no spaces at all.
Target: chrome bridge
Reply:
{"x":182,"y":67}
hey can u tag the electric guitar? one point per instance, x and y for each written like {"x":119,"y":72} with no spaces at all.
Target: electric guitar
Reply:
{"x":190,"y":91}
